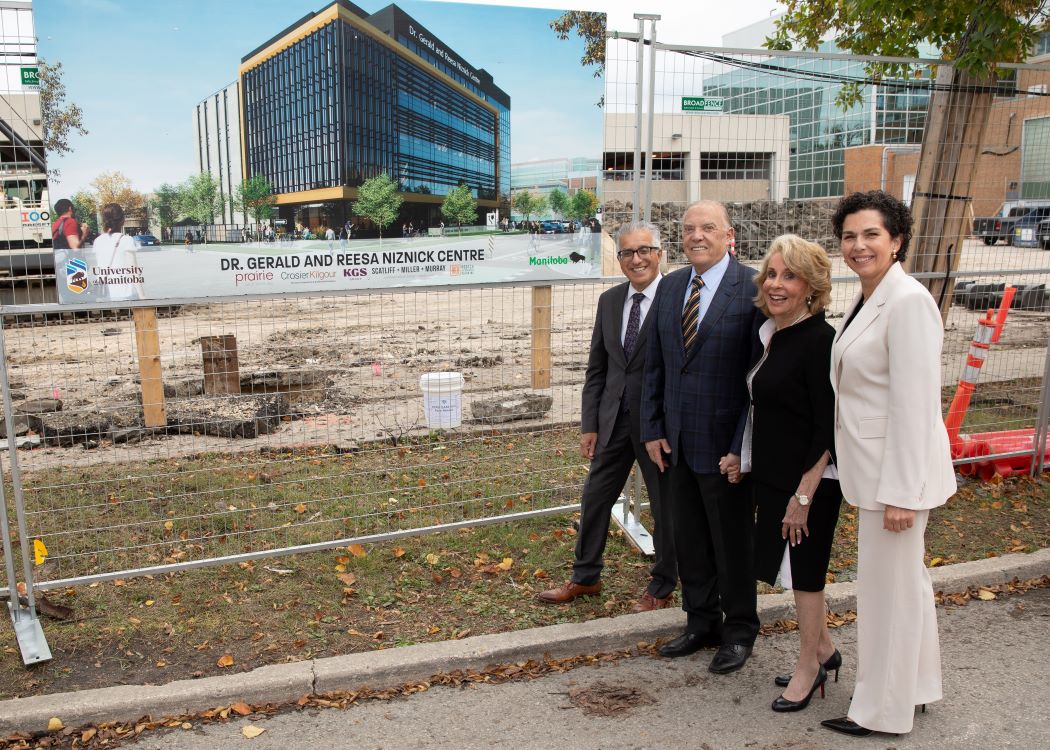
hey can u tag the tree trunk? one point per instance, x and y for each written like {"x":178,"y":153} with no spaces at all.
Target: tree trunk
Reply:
{"x":941,"y":205}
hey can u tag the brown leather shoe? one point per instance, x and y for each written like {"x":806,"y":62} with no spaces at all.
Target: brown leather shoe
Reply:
{"x":648,"y":603}
{"x":567,"y":592}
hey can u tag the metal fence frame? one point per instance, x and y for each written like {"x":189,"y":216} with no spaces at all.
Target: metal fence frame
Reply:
{"x":24,"y":615}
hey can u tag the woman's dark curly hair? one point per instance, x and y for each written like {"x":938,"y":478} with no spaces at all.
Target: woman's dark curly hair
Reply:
{"x":896,"y":217}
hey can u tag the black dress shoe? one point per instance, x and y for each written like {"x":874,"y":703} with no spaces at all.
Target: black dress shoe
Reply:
{"x":729,"y":658}
{"x":846,"y":726}
{"x":833,"y":664}
{"x":689,"y":643}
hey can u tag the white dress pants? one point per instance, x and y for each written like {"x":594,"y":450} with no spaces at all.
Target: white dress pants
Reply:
{"x":898,"y":652}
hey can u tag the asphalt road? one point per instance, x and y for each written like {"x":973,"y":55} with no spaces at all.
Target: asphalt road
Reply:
{"x":996,"y":664}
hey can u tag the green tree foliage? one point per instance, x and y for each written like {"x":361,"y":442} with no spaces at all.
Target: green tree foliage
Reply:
{"x":378,"y":200}
{"x":85,"y":208}
{"x":254,"y":197}
{"x":975,"y":36}
{"x":582,"y":205}
{"x":459,"y":206}
{"x":559,"y":202}
{"x":591,"y":27}
{"x":527,"y":204}
{"x":165,"y":204}
{"x":60,"y":119}
{"x":201,"y":199}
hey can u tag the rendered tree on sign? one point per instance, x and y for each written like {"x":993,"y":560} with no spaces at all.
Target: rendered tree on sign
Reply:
{"x":201,"y":199}
{"x":459,"y":206}
{"x":255,"y":198}
{"x":559,"y":202}
{"x":115,"y":187}
{"x":378,"y":200}
{"x":85,"y":206}
{"x":165,"y":204}
{"x":973,"y":37}
{"x":527,"y":204}
{"x":582,"y":205}
{"x":59,"y":119}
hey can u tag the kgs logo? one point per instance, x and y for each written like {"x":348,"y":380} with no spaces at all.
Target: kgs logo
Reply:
{"x":354,"y":273}
{"x":76,"y":276}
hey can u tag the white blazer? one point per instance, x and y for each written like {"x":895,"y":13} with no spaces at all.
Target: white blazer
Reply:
{"x":890,"y":441}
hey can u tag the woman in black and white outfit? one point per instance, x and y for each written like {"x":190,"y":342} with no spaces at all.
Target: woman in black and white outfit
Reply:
{"x":788,"y":447}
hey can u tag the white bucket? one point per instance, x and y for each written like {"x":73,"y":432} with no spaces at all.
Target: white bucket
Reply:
{"x":442,"y":398}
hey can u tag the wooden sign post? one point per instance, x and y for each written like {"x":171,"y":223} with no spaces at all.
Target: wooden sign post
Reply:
{"x":541,"y":336}
{"x":147,"y":344}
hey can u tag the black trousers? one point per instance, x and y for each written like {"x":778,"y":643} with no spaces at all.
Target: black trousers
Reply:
{"x":605,"y":480}
{"x":713,"y":523}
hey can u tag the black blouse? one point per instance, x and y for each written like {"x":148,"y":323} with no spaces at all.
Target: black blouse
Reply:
{"x":794,"y":404}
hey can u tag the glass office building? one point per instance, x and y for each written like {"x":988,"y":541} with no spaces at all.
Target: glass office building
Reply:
{"x":343,"y":95}
{"x":805,"y":89}
{"x":568,"y":175}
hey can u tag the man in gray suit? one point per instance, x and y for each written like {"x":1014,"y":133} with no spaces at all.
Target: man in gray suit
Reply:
{"x":611,"y":437}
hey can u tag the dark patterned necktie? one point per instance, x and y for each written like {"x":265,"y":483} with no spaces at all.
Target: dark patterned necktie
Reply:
{"x":634,"y":322}
{"x":691,"y":314}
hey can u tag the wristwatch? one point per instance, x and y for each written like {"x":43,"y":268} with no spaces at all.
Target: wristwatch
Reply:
{"x":802,"y":499}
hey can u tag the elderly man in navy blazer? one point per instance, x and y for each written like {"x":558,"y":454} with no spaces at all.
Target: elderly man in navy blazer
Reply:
{"x":694,"y":408}
{"x":610,"y":436}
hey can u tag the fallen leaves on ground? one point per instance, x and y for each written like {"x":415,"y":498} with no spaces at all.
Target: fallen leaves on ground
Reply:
{"x":600,"y":699}
{"x":111,"y":734}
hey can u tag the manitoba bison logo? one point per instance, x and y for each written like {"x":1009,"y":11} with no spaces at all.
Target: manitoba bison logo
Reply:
{"x":76,"y":276}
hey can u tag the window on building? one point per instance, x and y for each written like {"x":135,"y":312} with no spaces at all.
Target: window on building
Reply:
{"x":736,"y":166}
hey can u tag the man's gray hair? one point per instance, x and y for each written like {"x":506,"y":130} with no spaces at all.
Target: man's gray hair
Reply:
{"x":639,"y":226}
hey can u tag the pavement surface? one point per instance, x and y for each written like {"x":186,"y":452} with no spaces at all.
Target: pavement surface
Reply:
{"x":995,"y":660}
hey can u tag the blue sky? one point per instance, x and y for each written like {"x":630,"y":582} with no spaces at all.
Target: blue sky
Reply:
{"x":138,"y":69}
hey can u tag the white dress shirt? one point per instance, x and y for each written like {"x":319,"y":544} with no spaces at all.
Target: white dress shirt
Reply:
{"x":645,"y":304}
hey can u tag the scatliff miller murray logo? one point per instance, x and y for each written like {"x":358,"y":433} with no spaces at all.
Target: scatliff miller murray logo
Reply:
{"x":76,"y":276}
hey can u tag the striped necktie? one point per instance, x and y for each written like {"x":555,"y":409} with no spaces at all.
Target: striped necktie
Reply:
{"x":691,"y":314}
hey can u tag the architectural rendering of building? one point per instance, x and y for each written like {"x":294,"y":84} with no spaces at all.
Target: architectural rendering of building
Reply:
{"x":542,"y":176}
{"x":217,"y":133}
{"x":342,"y":95}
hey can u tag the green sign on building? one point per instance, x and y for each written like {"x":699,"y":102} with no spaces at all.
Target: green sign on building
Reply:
{"x":29,"y":77}
{"x":702,"y":104}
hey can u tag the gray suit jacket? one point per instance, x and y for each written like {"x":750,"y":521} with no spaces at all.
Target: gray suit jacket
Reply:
{"x":609,"y":374}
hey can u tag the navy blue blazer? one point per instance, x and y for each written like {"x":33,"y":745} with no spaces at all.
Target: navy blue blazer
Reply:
{"x":699,"y":404}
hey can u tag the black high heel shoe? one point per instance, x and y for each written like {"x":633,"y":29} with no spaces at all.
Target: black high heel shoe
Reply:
{"x":833,"y":663}
{"x":782,"y":704}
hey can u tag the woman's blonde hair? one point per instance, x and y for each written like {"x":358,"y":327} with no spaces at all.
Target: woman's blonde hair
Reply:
{"x":805,"y":259}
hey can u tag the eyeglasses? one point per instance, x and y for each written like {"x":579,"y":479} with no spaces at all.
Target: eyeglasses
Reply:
{"x":641,"y":252}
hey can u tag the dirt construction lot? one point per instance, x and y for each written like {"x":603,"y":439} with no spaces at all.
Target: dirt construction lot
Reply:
{"x":324,"y":378}
{"x":357,"y":359}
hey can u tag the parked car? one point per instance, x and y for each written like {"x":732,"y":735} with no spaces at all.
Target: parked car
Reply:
{"x":1026,"y":228}
{"x":991,"y":229}
{"x":145,"y":240}
{"x":1044,"y":234}
{"x":550,"y":227}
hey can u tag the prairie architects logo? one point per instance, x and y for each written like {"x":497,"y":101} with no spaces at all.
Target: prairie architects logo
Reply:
{"x":76,"y":276}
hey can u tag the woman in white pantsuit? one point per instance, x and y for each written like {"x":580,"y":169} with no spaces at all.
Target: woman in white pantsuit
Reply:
{"x":893,"y":462}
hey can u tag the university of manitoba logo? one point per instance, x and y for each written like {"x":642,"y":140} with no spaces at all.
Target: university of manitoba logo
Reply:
{"x":76,"y":276}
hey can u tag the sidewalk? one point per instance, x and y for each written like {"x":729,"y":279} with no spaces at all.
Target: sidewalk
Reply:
{"x":287,"y":682}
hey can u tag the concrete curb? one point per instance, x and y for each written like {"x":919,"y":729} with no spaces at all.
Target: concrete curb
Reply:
{"x":378,"y":669}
